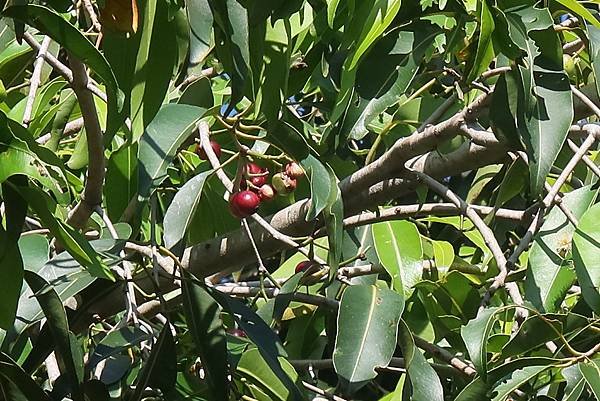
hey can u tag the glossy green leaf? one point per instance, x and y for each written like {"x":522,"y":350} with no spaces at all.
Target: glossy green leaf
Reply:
{"x":332,"y":6}
{"x":516,"y":379}
{"x":11,"y":278}
{"x":160,"y":370}
{"x":121,"y":173}
{"x":181,"y":210}
{"x":56,"y":319}
{"x":172,"y":125}
{"x":586,"y":245}
{"x":485,"y":51}
{"x":254,"y":367}
{"x":55,"y":26}
{"x":398,"y":245}
{"x":320,"y":185}
{"x":594,"y":37}
{"x":35,"y":249}
{"x":575,"y":383}
{"x":10,"y":371}
{"x":206,"y":327}
{"x":388,"y":70}
{"x":151,"y":80}
{"x":578,"y":9}
{"x":475,"y":335}
{"x":201,"y":29}
{"x":591,"y":373}
{"x":549,"y":275}
{"x":367,"y":326}
{"x":424,"y":381}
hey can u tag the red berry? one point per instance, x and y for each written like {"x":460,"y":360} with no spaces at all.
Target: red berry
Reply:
{"x":302,"y":266}
{"x":253,"y":168}
{"x":215,"y":147}
{"x":237,"y":332}
{"x":283,"y":183}
{"x":266,"y":192}
{"x":294,"y":170}
{"x":259,"y":180}
{"x":243,"y":204}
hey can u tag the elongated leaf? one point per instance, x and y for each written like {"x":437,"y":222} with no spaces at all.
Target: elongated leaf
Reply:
{"x":22,"y":382}
{"x":334,"y":222}
{"x":55,"y":26}
{"x":166,"y":133}
{"x":398,"y":245}
{"x":206,"y":327}
{"x":387,"y":72}
{"x":201,"y":29}
{"x":591,"y":373}
{"x":575,"y":383}
{"x":586,"y":241}
{"x":158,"y":42}
{"x":256,"y":369}
{"x":73,"y":241}
{"x":485,"y":51}
{"x":367,"y":326}
{"x":56,"y":318}
{"x":121,"y":173}
{"x":181,"y":210}
{"x":518,"y":378}
{"x":475,"y":335}
{"x":11,"y":279}
{"x":549,"y":276}
{"x":425,"y":383}
{"x":332,"y":6}
{"x":320,"y":185}
{"x":594,"y":37}
{"x":160,"y":370}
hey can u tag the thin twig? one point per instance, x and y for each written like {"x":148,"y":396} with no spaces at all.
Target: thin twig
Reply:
{"x":34,"y":82}
{"x":92,"y":193}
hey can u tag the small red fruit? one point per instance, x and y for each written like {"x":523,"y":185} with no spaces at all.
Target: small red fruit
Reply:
{"x":303,"y":266}
{"x":253,"y":168}
{"x":259,"y":180}
{"x":266,"y":192}
{"x":283,"y":183}
{"x":243,"y":204}
{"x":294,"y":170}
{"x":215,"y":147}
{"x":237,"y":333}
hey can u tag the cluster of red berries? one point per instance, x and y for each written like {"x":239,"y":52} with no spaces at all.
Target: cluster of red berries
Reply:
{"x":254,"y":187}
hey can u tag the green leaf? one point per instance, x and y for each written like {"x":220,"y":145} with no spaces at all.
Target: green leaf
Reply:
{"x":485,"y":50}
{"x":517,"y":378}
{"x":56,"y":319}
{"x":593,"y":34}
{"x":74,"y":242}
{"x":367,"y":326}
{"x":151,"y":80}
{"x":55,"y":26}
{"x":425,"y":383}
{"x":586,"y":245}
{"x":256,"y":370}
{"x":198,"y":93}
{"x":575,"y":383}
{"x":548,"y":126}
{"x":181,"y":210}
{"x":387,"y":72}
{"x":232,"y":43}
{"x":205,"y":325}
{"x":10,"y":371}
{"x":11,"y":279}
{"x":35,"y":249}
{"x":160,"y":370}
{"x":398,"y":245}
{"x":475,"y":335}
{"x":332,"y":6}
{"x":591,"y":373}
{"x":549,"y":275}
{"x":201,"y":29}
{"x":121,"y":174}
{"x":320,"y":185}
{"x":172,"y":125}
